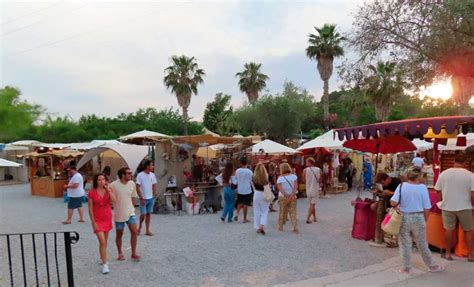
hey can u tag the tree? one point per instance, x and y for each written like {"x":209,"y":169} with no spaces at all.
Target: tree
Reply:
{"x":383,"y":87}
{"x":16,"y":116}
{"x":216,"y":114}
{"x":183,"y":77}
{"x":324,"y":47}
{"x":277,"y":117}
{"x":429,"y":39}
{"x":252,"y":81}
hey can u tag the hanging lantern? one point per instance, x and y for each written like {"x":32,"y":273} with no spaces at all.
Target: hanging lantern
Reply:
{"x":441,"y":135}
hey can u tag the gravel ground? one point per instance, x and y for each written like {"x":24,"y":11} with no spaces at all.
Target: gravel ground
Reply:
{"x":192,"y":250}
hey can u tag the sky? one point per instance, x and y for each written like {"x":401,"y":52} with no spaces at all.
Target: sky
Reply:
{"x":108,"y":57}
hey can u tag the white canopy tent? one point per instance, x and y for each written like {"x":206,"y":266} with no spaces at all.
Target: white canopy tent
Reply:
{"x":8,"y":163}
{"x":326,"y":140}
{"x":144,"y":134}
{"x":271,"y":147}
{"x":451,"y":145}
{"x":422,"y":145}
{"x":93,"y":144}
{"x":116,"y":156}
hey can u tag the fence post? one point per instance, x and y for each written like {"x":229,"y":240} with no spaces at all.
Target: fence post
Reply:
{"x":68,"y":240}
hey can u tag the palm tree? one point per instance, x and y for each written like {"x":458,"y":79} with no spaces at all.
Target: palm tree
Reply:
{"x":252,"y":81}
{"x":383,"y":87}
{"x":183,"y":77}
{"x":324,"y":47}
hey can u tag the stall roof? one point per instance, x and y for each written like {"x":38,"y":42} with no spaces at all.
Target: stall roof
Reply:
{"x":63,"y":153}
{"x":143,"y":135}
{"x":410,"y":128}
{"x":8,"y":163}
{"x":451,"y":145}
{"x":93,"y":144}
{"x":28,"y":143}
{"x":271,"y":147}
{"x":199,"y":140}
{"x":325,"y":140}
{"x":131,"y":154}
{"x":422,"y":145}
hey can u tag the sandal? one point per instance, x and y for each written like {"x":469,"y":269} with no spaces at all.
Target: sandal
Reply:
{"x":121,"y":257}
{"x":403,"y":271}
{"x":136,"y":258}
{"x":66,"y":222}
{"x":308,"y":222}
{"x":449,"y":258}
{"x":437,"y":268}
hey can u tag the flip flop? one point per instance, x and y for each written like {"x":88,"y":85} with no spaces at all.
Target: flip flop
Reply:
{"x":66,"y":222}
{"x":149,"y":234}
{"x":136,"y":258}
{"x":308,"y":222}
{"x":81,"y":220}
{"x":403,"y":271}
{"x":449,"y":258}
{"x":437,"y":268}
{"x":121,"y":257}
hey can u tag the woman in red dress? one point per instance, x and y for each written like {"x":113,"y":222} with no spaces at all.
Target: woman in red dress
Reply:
{"x":100,"y":212}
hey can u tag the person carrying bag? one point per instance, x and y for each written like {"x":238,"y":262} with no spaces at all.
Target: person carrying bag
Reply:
{"x":415,"y":209}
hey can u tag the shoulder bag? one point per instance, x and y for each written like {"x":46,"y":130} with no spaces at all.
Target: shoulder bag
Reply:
{"x":393,"y":220}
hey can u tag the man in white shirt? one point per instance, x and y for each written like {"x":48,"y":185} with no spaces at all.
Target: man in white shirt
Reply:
{"x":146,"y":190}
{"x":455,"y":187}
{"x":244,"y":188}
{"x":418,"y":161}
{"x":124,"y":211}
{"x":75,"y":193}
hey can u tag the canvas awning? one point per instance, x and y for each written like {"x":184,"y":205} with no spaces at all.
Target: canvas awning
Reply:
{"x":143,"y":135}
{"x":452,"y":143}
{"x":63,"y":153}
{"x":93,"y":144}
{"x":326,"y":141}
{"x":411,"y":128}
{"x":199,"y":140}
{"x":422,"y":145}
{"x":8,"y":163}
{"x":271,"y":147}
{"x":131,"y":154}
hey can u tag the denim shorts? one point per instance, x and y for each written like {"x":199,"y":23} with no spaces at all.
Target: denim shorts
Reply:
{"x":121,"y":225}
{"x":148,"y":207}
{"x":74,"y":202}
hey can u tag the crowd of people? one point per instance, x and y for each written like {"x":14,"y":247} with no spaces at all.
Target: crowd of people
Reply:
{"x":245,"y":188}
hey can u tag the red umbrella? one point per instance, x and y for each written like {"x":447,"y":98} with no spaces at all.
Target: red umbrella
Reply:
{"x":387,"y":144}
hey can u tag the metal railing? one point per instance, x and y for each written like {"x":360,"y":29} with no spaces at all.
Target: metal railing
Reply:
{"x":25,"y":250}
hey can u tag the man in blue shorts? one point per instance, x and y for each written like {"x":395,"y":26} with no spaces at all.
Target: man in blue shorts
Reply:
{"x":124,"y":211}
{"x":146,"y":190}
{"x":75,"y":192}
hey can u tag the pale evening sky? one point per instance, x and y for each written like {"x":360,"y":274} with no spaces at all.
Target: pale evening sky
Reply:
{"x":108,"y":57}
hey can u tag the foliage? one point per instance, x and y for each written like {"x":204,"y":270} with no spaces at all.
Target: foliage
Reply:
{"x":217,"y":113}
{"x":324,"y":47}
{"x":16,"y":116}
{"x":182,"y":77}
{"x":429,"y":39}
{"x":383,"y":87}
{"x":277,"y":117}
{"x":252,"y":81}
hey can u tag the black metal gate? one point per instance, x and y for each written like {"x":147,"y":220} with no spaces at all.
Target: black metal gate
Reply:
{"x":41,"y":253}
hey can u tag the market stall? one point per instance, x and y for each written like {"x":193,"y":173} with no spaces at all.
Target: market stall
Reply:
{"x":47,"y":170}
{"x":438,"y":130}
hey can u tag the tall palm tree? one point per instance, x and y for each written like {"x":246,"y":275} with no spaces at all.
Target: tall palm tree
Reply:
{"x":383,"y":87}
{"x":252,"y":81}
{"x":324,"y":47}
{"x":183,"y":77}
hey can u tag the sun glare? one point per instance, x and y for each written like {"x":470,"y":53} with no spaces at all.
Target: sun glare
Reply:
{"x":438,"y":90}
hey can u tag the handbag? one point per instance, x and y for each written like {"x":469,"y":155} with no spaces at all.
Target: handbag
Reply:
{"x":393,"y":220}
{"x":267,"y":193}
